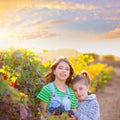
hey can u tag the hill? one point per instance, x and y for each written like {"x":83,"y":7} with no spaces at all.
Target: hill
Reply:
{"x":53,"y":54}
{"x":68,"y":52}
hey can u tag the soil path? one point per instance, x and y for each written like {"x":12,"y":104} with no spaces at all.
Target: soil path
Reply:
{"x":109,"y":98}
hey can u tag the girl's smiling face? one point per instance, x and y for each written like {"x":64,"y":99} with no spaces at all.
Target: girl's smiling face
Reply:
{"x":62,"y":71}
{"x":81,"y":90}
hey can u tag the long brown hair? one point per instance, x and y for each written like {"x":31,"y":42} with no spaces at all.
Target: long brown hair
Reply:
{"x":50,"y":75}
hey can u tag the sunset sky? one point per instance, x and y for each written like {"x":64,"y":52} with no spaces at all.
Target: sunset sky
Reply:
{"x":84,"y":25}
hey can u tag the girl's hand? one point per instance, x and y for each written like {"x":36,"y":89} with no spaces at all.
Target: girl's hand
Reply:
{"x":72,"y":117}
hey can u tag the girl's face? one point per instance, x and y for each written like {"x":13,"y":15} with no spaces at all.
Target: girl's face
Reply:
{"x":81,"y":90}
{"x":62,"y":71}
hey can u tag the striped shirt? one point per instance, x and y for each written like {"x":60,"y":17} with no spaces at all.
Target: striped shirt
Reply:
{"x":46,"y":93}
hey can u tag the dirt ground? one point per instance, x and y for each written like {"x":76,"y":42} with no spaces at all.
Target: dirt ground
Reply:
{"x":109,"y":98}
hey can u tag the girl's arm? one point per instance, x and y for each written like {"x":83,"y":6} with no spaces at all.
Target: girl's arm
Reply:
{"x":72,"y":118}
{"x":74,"y":110}
{"x":43,"y":106}
{"x":89,"y":113}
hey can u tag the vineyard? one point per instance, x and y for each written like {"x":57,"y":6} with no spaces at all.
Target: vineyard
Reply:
{"x":22,"y":77}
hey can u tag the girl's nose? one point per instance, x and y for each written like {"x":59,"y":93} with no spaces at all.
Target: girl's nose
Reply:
{"x":64,"y":70}
{"x":78,"y":92}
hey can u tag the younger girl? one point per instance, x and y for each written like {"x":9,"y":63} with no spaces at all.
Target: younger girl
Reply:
{"x":56,"y":96}
{"x":88,"y":107}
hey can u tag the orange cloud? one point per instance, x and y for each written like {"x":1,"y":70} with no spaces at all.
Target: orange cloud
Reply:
{"x":56,"y":4}
{"x":35,"y":29}
{"x":38,"y":34}
{"x":83,"y":18}
{"x":112,"y":34}
{"x":53,"y":22}
{"x":19,"y":35}
{"x":6,"y":5}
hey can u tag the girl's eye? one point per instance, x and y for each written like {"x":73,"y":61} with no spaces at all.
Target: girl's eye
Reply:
{"x":74,"y":90}
{"x":59,"y":67}
{"x":67,"y":69}
{"x":80,"y":88}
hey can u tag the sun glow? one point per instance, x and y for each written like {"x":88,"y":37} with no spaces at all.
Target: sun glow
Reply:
{"x":4,"y":34}
{"x":6,"y":39}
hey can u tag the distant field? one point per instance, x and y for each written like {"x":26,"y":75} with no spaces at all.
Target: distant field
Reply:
{"x":109,"y":62}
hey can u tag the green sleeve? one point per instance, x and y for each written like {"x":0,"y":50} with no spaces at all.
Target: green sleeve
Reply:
{"x":45,"y":94}
{"x":74,"y":103}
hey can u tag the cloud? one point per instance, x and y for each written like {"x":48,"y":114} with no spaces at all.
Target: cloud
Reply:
{"x":57,"y":4}
{"x":29,"y":19}
{"x":29,"y":27}
{"x":56,"y":22}
{"x":51,"y":4}
{"x":6,"y":5}
{"x":38,"y":34}
{"x":41,"y":29}
{"x":79,"y":18}
{"x":107,"y":10}
{"x":29,"y":35}
{"x":93,"y":10}
{"x":32,"y":23}
{"x":112,"y":34}
{"x":35,"y":29}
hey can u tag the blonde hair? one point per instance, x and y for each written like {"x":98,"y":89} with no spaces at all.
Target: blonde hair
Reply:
{"x":83,"y":76}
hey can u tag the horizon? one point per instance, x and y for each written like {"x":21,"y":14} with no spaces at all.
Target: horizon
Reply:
{"x":59,"y":49}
